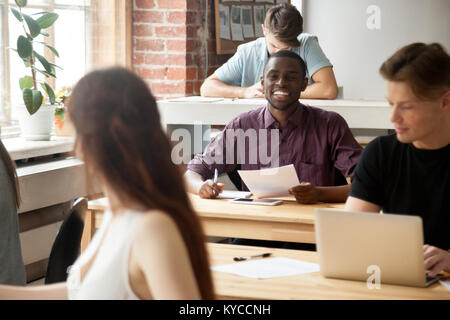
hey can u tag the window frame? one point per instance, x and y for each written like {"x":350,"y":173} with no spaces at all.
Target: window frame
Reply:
{"x":122,"y":32}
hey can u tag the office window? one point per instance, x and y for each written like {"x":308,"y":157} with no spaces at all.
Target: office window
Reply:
{"x":87,"y":34}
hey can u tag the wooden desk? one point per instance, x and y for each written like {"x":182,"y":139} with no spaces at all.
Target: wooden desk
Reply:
{"x":310,"y":286}
{"x":289,"y":221}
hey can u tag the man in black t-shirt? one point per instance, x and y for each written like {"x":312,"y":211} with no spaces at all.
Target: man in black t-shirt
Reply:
{"x":409,"y":172}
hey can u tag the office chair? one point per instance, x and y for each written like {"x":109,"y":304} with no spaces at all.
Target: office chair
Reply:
{"x":66,"y":247}
{"x":236,"y":178}
{"x":339,"y":179}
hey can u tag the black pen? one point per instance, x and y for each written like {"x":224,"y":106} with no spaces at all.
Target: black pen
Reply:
{"x":262,"y":255}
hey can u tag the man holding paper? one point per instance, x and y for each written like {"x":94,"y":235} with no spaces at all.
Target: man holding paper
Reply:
{"x":315,"y":141}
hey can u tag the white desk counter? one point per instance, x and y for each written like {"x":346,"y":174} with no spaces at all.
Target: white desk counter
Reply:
{"x":361,"y":114}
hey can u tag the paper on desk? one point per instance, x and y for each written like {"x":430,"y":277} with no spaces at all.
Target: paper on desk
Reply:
{"x":272,"y":182}
{"x":230,"y":194}
{"x":446,"y":284}
{"x":268,"y":268}
{"x":196,"y":99}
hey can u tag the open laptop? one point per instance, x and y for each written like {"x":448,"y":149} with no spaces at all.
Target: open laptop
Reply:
{"x":348,"y":243}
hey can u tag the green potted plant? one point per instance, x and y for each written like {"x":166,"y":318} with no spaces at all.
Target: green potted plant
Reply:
{"x":35,"y":117}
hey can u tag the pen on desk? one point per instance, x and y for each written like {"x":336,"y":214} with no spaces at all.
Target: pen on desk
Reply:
{"x":262,"y":255}
{"x":216,"y":174}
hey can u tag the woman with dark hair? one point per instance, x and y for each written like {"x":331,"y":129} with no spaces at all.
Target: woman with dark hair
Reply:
{"x":150,"y":244}
{"x":12,"y":270}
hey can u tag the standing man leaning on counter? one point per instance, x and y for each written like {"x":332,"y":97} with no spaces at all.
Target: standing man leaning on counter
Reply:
{"x":240,"y":76}
{"x":315,"y":141}
{"x":409,"y":172}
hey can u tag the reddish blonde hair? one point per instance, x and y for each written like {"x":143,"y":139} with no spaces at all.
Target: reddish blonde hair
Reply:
{"x":425,"y":67}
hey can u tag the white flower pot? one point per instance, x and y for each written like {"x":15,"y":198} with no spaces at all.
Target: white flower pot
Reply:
{"x":40,"y":125}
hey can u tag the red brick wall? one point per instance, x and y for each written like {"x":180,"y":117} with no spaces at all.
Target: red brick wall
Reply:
{"x":169,"y":48}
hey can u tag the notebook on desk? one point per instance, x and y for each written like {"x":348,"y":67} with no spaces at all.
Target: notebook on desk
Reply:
{"x":354,"y":246}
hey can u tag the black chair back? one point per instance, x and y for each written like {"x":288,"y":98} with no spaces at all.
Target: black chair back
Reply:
{"x":339,"y":179}
{"x":66,"y":248}
{"x":236,"y":178}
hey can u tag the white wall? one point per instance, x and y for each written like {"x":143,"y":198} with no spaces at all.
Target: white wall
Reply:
{"x":357,"y":52}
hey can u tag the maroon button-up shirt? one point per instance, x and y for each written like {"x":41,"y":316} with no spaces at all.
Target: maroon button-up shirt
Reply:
{"x":315,"y":141}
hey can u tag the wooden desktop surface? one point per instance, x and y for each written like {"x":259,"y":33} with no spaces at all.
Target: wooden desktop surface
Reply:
{"x":311,"y":286}
{"x":289,"y":221}
{"x":306,"y":286}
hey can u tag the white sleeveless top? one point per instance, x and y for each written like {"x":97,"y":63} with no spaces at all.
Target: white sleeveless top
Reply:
{"x":107,"y":277}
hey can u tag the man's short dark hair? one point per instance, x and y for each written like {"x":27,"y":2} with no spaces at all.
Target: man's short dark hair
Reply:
{"x":285,"y":23}
{"x":425,"y":67}
{"x":288,"y":54}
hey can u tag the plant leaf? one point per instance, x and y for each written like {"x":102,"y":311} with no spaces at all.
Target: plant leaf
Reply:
{"x":21,"y":3}
{"x":34,"y":27}
{"x":42,"y":12}
{"x":49,"y":91}
{"x":24,"y":47}
{"x":47,"y":20}
{"x":44,"y":73}
{"x":26,"y":82}
{"x":47,"y":66}
{"x":17,"y":14}
{"x":52,"y":50}
{"x":50,"y":47}
{"x":54,"y":65}
{"x":61,"y":113}
{"x":45,"y":34}
{"x":32,"y":100}
{"x":26,"y":62}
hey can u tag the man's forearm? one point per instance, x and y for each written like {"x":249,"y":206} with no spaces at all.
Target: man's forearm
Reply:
{"x":216,"y":88}
{"x":333,"y":194}
{"x":193,"y":181}
{"x":319,"y":90}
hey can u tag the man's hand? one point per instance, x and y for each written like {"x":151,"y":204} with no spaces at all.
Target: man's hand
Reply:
{"x":436,"y":260}
{"x":305,"y":192}
{"x":210,"y":190}
{"x":254,"y":91}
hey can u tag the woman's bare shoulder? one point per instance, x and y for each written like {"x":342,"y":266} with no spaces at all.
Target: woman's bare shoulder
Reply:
{"x":155,"y":224}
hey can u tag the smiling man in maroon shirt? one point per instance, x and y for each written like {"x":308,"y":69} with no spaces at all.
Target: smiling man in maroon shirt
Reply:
{"x":315,"y":141}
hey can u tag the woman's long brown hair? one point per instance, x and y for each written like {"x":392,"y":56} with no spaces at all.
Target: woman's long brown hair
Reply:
{"x":119,"y":131}
{"x":11,"y":173}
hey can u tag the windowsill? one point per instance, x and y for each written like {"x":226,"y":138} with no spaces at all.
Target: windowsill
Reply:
{"x":9,"y":129}
{"x":20,"y":148}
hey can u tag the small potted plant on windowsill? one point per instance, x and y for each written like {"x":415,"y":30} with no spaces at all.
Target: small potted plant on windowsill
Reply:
{"x":63,"y":126}
{"x":35,"y":117}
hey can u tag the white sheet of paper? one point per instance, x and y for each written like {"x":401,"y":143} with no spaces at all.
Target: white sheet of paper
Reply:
{"x":446,"y":284}
{"x":196,"y":99}
{"x":272,"y":182}
{"x":259,"y":14}
{"x":265,"y":268}
{"x":247,"y":22}
{"x":224,"y":15}
{"x":236,"y":24}
{"x":230,"y":194}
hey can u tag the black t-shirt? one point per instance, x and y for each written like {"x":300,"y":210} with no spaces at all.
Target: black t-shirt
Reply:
{"x":405,"y":180}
